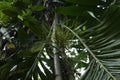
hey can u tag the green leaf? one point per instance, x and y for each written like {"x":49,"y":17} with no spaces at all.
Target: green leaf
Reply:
{"x":71,"y":10}
{"x":42,"y":75}
{"x":5,"y":69}
{"x":78,"y":10}
{"x":26,"y":53}
{"x":10,"y":0}
{"x":4,"y":19}
{"x":23,"y":37}
{"x":37,"y":8}
{"x":4,"y":4}
{"x":90,"y":2}
{"x":37,"y":46}
{"x":12,"y":11}
{"x":33,"y":24}
{"x":10,"y":46}
{"x":20,"y":5}
{"x":35,"y":74}
{"x":46,"y":70}
{"x":26,"y":12}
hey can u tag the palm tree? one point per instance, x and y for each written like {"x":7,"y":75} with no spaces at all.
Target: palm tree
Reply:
{"x":56,"y":39}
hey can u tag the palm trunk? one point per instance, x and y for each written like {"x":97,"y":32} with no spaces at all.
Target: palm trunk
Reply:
{"x":56,"y":56}
{"x":70,"y":73}
{"x":57,"y":67}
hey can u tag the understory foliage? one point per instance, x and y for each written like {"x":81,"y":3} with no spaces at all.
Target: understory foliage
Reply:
{"x":57,"y":39}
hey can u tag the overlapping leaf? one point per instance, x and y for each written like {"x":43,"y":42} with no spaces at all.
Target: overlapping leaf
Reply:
{"x":104,"y":47}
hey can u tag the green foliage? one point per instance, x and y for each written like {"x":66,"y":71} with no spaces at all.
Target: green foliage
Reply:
{"x":91,"y":2}
{"x":4,"y":19}
{"x":77,"y":10}
{"x":33,"y":24}
{"x":37,"y":8}
{"x":23,"y":37}
{"x":21,"y":5}
{"x":4,"y":4}
{"x":86,"y":36}
{"x":71,"y":10}
{"x":36,"y":47}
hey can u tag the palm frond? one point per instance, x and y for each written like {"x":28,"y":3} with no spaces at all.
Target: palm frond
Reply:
{"x":103,"y":46}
